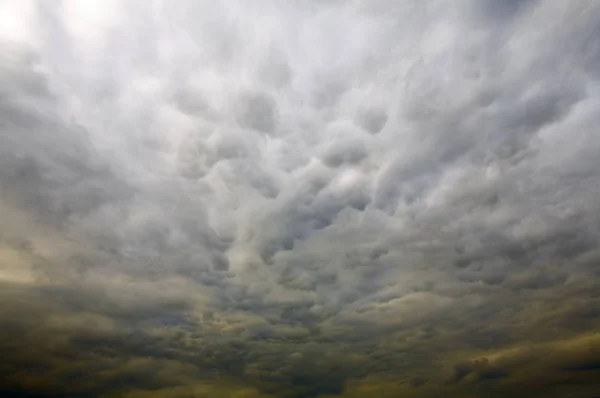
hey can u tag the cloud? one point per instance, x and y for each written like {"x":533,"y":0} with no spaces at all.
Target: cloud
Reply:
{"x":309,"y":199}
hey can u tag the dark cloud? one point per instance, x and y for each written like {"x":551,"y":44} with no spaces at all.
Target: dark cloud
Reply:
{"x":309,"y":199}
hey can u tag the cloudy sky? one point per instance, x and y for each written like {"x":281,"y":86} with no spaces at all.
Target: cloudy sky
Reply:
{"x":299,"y":198}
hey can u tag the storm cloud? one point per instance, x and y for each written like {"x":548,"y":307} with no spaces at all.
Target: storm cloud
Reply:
{"x":299,"y":199}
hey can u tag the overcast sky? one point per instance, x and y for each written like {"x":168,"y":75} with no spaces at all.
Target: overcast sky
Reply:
{"x":299,"y":198}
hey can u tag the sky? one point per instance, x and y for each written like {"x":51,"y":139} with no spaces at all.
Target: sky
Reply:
{"x":300,"y":198}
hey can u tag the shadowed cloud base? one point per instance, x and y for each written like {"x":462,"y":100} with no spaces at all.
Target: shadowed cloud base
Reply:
{"x":299,"y":199}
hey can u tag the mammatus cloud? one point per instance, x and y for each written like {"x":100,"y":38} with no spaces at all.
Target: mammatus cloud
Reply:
{"x":299,"y":199}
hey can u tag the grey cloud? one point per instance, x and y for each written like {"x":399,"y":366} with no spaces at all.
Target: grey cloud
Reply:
{"x":502,"y":11}
{"x":298,"y":196}
{"x":192,"y":102}
{"x":373,"y":120}
{"x":258,"y":112}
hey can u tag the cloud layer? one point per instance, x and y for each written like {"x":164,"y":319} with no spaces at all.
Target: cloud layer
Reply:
{"x":299,"y":199}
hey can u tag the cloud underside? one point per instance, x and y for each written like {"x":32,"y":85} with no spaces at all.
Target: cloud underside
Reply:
{"x":299,"y":199}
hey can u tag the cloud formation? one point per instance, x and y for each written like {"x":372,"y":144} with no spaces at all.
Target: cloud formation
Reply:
{"x":299,"y":199}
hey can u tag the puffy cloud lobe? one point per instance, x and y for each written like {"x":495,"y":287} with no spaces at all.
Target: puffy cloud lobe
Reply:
{"x":302,"y":199}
